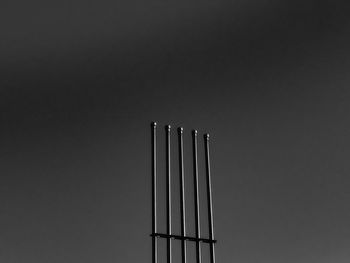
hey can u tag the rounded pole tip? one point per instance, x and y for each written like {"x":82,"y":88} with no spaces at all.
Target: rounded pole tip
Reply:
{"x":195,"y":132}
{"x":154,"y":124}
{"x":167,"y":127}
{"x":206,"y":136}
{"x":181,"y":129}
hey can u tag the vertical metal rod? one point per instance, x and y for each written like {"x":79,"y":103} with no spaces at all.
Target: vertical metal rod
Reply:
{"x":209,"y":197}
{"x":196,"y":196}
{"x":168,"y":192}
{"x":154,"y":192}
{"x":182,"y":195}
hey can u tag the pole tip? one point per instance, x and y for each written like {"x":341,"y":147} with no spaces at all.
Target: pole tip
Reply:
{"x":167,"y":127}
{"x":206,"y":136}
{"x":181,"y":129}
{"x":154,"y":124}
{"x":195,"y":132}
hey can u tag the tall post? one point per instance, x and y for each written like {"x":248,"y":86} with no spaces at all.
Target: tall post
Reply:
{"x":196,"y":197}
{"x":154,"y":191}
{"x":182,"y":195}
{"x":168,"y":192}
{"x":209,"y":197}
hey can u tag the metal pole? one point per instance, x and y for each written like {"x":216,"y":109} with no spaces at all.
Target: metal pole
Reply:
{"x":209,"y":197}
{"x":182,"y":195}
{"x":168,"y":192}
{"x":154,"y":191}
{"x":196,"y":197}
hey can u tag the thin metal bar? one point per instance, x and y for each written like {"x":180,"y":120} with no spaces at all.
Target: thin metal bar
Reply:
{"x":154,"y":192}
{"x":196,"y":197}
{"x":182,"y":195}
{"x":168,"y":191}
{"x":209,"y":197}
{"x":187,"y":238}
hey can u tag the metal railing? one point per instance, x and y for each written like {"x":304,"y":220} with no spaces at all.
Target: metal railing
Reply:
{"x":182,"y":237}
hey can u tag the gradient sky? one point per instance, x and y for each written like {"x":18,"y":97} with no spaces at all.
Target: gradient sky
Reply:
{"x":80,"y":82}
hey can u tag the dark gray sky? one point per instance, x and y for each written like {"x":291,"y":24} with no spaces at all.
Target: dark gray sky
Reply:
{"x":81,"y":81}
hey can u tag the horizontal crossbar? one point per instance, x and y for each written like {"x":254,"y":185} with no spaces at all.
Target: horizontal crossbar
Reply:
{"x":205,"y":240}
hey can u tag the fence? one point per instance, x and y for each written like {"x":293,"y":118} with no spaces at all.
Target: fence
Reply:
{"x":182,"y":237}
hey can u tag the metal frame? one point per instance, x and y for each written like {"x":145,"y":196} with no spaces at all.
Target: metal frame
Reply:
{"x":169,"y":236}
